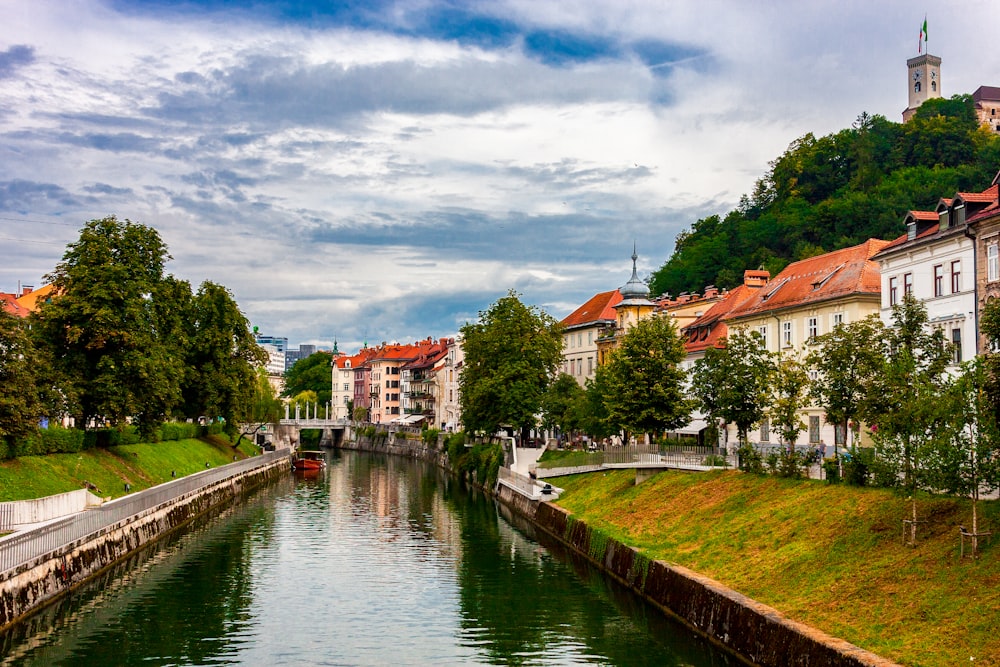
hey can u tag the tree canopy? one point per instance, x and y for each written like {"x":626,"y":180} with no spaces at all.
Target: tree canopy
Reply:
{"x":646,"y":391}
{"x":511,"y":355}
{"x":835,"y":191}
{"x":314,"y":373}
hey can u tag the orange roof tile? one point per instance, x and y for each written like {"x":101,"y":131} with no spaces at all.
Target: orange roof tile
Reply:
{"x":599,"y":308}
{"x":10,"y":305}
{"x":709,"y":329}
{"x":836,"y":274}
{"x":990,"y":194}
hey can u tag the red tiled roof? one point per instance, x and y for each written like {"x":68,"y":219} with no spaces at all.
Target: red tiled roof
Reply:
{"x":31,"y":299}
{"x":986,"y":196}
{"x":930,"y":231}
{"x":988,"y":212}
{"x":600,"y":307}
{"x":10,"y":305}
{"x":709,"y":329}
{"x":835,"y":274}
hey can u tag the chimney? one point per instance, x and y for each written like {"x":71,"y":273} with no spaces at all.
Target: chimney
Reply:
{"x":755,"y":279}
{"x":711,"y":292}
{"x":27,"y":289}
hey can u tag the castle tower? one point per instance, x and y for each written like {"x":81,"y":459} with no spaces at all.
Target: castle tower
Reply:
{"x":923,"y":81}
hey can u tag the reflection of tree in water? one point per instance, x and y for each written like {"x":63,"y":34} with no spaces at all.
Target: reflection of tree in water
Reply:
{"x":522,"y":603}
{"x":170,"y":603}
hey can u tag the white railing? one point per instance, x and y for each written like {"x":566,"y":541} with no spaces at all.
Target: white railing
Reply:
{"x":20,"y":548}
{"x":37,"y":510}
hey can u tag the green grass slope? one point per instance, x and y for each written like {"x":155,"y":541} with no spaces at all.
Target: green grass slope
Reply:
{"x":829,"y":556}
{"x":141,"y":466}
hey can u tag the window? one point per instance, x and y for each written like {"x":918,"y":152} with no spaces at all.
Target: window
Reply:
{"x":762,"y":330}
{"x":907,"y":283}
{"x":346,"y":400}
{"x":956,"y":276}
{"x":838,"y":435}
{"x":579,"y":340}
{"x":786,"y":334}
{"x":916,"y":87}
{"x":893,"y":291}
{"x":993,"y":262}
{"x":590,"y":365}
{"x":956,"y":342}
{"x":765,"y":430}
{"x":590,"y":338}
{"x":812,"y":328}
{"x":572,"y":366}
{"x":938,"y":279}
{"x":838,"y":319}
{"x":347,"y":386}
{"x":814,"y":430}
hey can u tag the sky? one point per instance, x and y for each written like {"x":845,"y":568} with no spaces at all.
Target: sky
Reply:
{"x":385,"y":170}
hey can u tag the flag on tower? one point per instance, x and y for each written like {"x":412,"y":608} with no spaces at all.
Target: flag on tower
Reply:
{"x":923,"y":36}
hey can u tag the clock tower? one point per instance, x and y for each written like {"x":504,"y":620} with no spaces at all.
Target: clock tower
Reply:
{"x":923,"y":81}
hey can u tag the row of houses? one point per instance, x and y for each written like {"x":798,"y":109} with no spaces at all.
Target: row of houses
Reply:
{"x":949,"y":258}
{"x":400,"y":383}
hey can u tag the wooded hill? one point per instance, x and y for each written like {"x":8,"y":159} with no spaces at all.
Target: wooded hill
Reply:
{"x":836,"y":191}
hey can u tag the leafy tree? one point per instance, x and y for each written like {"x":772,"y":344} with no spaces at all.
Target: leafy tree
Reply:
{"x":21,"y":406}
{"x":596,"y":419}
{"x":847,"y":361}
{"x":563,"y":404}
{"x":262,"y":407}
{"x":304,"y":400}
{"x":314,"y":373}
{"x":645,"y":379}
{"x":790,"y":386}
{"x":103,"y":331}
{"x":731,"y":383}
{"x":511,"y":355}
{"x":223,"y":359}
{"x":905,"y":403}
{"x":968,"y":463}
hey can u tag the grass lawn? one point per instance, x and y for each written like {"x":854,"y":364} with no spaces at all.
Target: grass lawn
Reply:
{"x":141,"y":466}
{"x":567,"y":458}
{"x":830,"y":556}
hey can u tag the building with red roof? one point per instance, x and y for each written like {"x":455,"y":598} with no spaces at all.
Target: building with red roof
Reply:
{"x":582,"y":328}
{"x":806,"y":300}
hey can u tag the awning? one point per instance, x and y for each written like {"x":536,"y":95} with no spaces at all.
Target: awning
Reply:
{"x":412,"y":419}
{"x":694,"y":427}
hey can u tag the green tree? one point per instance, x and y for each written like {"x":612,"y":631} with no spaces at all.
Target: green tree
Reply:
{"x":847,"y":360}
{"x":645,"y":379}
{"x":789,"y":391}
{"x":731,"y":383}
{"x":314,"y":373}
{"x":261,"y":408}
{"x":596,"y":419}
{"x":511,"y":356}
{"x":21,"y":405}
{"x":223,"y":359}
{"x":968,"y":463}
{"x":563,"y":404}
{"x":906,"y":402}
{"x":102,"y":329}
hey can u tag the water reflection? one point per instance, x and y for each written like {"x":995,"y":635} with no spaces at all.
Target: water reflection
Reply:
{"x":378,"y":560}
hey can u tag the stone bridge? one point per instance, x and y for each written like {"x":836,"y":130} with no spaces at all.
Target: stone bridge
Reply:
{"x":312,"y":416}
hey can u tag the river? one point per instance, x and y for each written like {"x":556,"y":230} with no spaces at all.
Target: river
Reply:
{"x":375,"y":561}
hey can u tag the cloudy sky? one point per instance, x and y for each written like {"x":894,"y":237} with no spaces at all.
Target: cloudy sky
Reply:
{"x":383,"y":170}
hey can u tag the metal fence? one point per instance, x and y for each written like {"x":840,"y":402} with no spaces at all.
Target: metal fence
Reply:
{"x":522,"y":483}
{"x":671,"y":455}
{"x":20,"y":548}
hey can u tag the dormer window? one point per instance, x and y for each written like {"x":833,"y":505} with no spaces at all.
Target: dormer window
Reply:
{"x":911,"y":231}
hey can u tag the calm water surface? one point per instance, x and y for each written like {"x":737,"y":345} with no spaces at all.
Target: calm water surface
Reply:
{"x":376,"y":561}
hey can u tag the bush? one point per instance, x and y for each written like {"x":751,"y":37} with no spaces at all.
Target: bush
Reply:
{"x":177,"y":431}
{"x":455,"y":444}
{"x":857,"y":466}
{"x":430,"y":436}
{"x":832,"y":470}
{"x":717,"y":460}
{"x":750,"y":459}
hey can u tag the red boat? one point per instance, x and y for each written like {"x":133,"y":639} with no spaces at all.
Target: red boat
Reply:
{"x":308,"y":460}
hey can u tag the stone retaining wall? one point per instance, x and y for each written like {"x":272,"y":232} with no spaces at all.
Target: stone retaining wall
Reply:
{"x":38,"y":582}
{"x":754,"y":631}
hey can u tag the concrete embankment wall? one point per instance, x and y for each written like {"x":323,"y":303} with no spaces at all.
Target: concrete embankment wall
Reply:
{"x":44,"y":578}
{"x":752,"y":630}
{"x":19,"y":512}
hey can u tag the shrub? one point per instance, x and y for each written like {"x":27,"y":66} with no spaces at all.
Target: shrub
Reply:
{"x":750,"y":459}
{"x":715,"y":460}
{"x":177,"y":431}
{"x":430,"y":436}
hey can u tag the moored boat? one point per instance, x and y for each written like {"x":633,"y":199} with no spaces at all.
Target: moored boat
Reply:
{"x":308,"y":460}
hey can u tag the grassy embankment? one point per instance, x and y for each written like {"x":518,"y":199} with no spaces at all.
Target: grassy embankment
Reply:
{"x":141,"y":466}
{"x":830,"y":556}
